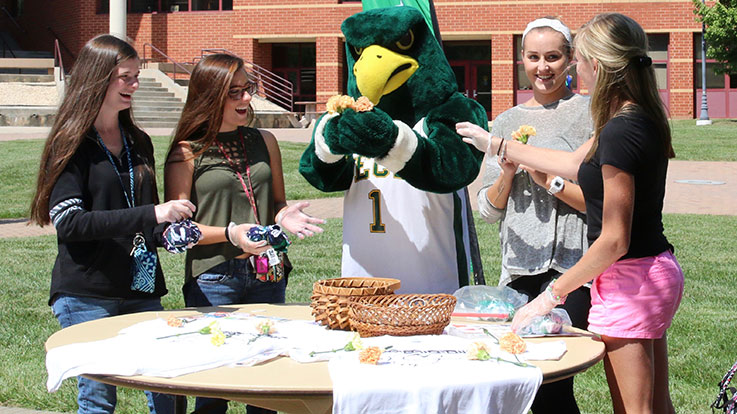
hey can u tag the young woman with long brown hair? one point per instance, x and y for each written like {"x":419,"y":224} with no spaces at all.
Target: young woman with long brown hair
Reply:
{"x":233,"y":173}
{"x":96,"y":184}
{"x":637,"y":282}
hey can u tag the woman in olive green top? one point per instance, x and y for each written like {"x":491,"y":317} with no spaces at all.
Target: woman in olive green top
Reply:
{"x":233,"y":174}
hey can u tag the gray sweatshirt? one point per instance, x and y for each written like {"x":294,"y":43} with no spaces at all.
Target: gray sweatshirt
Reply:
{"x":537,"y":231}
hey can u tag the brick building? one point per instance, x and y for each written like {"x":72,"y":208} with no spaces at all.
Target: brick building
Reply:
{"x":301,"y":40}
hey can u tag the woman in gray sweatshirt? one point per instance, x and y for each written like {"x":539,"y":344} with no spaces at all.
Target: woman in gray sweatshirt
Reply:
{"x":541,"y":224}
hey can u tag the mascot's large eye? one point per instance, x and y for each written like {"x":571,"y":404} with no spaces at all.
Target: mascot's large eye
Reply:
{"x":406,"y":41}
{"x":357,"y":50}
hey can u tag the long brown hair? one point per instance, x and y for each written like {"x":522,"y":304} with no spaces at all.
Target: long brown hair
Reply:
{"x":83,"y":98}
{"x":625,"y":74}
{"x":202,"y":114}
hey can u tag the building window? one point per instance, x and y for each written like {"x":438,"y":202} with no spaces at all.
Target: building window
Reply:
{"x":713,"y":80}
{"x":148,"y":6}
{"x":658,"y":44}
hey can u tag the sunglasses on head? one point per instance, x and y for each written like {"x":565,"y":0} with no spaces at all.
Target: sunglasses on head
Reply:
{"x":236,"y":93}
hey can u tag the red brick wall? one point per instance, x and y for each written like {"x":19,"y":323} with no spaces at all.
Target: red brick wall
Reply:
{"x":253,"y":25}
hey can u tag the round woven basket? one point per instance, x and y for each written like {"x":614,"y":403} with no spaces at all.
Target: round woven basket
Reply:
{"x":401,"y":315}
{"x":331,"y":297}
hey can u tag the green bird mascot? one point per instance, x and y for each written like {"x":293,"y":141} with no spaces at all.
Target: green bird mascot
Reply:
{"x":403,"y":165}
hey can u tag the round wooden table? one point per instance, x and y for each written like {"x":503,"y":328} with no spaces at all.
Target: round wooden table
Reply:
{"x":281,"y":384}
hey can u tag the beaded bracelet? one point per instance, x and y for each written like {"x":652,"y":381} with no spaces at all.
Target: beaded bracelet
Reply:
{"x":558,"y":299}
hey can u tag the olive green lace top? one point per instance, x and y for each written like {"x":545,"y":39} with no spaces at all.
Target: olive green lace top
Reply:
{"x":219,"y":196}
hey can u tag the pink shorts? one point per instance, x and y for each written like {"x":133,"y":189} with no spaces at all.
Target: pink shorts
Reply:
{"x":636,"y":298}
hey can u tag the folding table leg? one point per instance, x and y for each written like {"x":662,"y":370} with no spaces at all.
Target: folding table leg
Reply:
{"x":180,"y":404}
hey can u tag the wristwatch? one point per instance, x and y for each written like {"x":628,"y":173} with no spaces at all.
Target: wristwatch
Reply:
{"x":556,"y":185}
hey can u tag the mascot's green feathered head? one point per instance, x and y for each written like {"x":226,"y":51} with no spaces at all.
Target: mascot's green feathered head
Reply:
{"x":395,"y":61}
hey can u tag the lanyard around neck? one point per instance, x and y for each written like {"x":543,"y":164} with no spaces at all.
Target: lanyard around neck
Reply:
{"x":247,"y":189}
{"x":132,"y":200}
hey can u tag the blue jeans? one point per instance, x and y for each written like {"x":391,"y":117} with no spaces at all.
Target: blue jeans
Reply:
{"x":95,"y":397}
{"x":229,"y":283}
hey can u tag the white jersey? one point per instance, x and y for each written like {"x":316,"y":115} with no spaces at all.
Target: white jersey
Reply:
{"x":391,"y":229}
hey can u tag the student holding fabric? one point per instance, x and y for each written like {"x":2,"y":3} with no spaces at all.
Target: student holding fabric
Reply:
{"x":233,"y":174}
{"x":541,"y":231}
{"x":637,"y":282}
{"x":97,"y":186}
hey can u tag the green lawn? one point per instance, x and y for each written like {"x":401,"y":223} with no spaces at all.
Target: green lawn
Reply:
{"x":19,"y":162}
{"x":716,"y":142}
{"x":701,"y":339}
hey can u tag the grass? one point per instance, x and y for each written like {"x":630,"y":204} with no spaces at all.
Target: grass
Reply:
{"x":19,"y":162}
{"x":20,"y":159}
{"x":701,"y":338}
{"x":716,"y":142}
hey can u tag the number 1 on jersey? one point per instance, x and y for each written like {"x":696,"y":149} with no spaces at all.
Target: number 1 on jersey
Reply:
{"x":377,"y":226}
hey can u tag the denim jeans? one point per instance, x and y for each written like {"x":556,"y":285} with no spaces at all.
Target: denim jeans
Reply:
{"x":229,"y":283}
{"x":95,"y":397}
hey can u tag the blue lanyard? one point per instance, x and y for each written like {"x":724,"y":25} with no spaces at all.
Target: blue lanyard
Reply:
{"x":132,"y":200}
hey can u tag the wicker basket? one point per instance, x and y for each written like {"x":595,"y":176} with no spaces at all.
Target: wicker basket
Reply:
{"x":401,"y":315}
{"x":331,"y":297}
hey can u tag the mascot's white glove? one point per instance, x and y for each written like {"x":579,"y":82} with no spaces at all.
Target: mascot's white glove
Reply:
{"x":475,"y":135}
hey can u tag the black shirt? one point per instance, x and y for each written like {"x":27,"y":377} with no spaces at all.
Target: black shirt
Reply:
{"x":627,"y":142}
{"x":95,"y":226}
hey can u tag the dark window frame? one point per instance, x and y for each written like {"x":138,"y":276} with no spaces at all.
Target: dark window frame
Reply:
{"x":103,"y":6}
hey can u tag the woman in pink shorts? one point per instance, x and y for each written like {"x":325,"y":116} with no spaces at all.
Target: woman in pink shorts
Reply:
{"x":637,"y":282}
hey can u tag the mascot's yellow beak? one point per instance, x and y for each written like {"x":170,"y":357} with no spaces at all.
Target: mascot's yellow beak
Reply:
{"x":380,"y":71}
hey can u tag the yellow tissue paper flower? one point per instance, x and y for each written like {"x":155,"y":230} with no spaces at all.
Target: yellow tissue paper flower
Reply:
{"x":523,"y":133}
{"x":512,"y":343}
{"x":339,"y":103}
{"x":478,"y":351}
{"x":370,"y":355}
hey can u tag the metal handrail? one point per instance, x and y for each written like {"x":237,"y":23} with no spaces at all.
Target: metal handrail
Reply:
{"x":57,"y":60}
{"x":7,"y":47}
{"x":157,"y":50}
{"x":61,"y":43}
{"x":12,"y":19}
{"x":272,"y":86}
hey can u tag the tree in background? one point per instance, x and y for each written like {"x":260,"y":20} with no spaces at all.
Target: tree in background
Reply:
{"x":721,"y":32}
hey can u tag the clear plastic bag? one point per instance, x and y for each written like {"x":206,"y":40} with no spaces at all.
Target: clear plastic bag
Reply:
{"x":490,"y":303}
{"x":552,"y":323}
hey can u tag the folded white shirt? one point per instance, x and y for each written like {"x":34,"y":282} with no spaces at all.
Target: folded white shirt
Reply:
{"x":430,"y":374}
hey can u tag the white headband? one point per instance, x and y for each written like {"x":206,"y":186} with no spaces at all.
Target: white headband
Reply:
{"x":554,"y":24}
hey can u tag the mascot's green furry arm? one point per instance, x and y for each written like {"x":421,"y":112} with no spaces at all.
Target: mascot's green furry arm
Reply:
{"x":395,"y":61}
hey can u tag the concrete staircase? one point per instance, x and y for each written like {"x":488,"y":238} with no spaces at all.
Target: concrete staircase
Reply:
{"x":154,"y":106}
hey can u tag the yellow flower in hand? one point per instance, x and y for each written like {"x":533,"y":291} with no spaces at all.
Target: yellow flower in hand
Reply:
{"x":523,"y":133}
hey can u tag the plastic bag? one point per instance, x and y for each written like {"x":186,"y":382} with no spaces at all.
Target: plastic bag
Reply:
{"x":552,"y":323}
{"x":490,"y":303}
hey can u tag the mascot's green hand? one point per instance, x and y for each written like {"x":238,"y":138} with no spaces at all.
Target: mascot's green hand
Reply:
{"x":371,"y":134}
